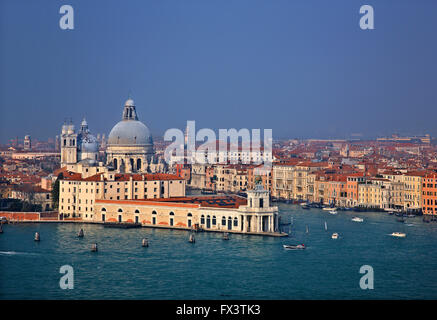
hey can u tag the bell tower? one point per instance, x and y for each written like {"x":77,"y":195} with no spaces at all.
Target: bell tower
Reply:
{"x":68,"y":144}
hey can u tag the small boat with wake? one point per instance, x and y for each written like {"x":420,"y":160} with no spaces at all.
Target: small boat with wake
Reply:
{"x":398,"y":234}
{"x":357,"y":219}
{"x":333,"y":211}
{"x":334,"y":235}
{"x":294,"y":247}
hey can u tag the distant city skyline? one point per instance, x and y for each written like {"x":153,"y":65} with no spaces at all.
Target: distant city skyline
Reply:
{"x":305,"y":70}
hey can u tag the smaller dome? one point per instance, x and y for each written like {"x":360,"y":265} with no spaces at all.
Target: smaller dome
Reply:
{"x":89,"y":146}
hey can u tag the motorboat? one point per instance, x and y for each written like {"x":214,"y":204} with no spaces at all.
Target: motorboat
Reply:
{"x":294,"y":247}
{"x":398,"y":234}
{"x":328,"y":208}
{"x":333,"y":211}
{"x":357,"y":219}
{"x":306,"y":207}
{"x":226,"y":236}
{"x":334,"y":235}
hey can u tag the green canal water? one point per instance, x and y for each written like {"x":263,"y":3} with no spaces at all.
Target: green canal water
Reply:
{"x":246,"y":267}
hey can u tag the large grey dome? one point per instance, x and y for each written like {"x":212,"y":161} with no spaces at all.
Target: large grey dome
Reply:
{"x":130,"y":133}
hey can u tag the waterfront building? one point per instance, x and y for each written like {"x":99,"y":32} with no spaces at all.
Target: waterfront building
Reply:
{"x":352,"y":188}
{"x":413,"y":190}
{"x":293,"y":179}
{"x":212,"y":213}
{"x":78,"y":193}
{"x":429,"y":194}
{"x":373,"y":193}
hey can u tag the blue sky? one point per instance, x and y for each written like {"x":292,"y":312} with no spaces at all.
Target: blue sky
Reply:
{"x":301,"y":68}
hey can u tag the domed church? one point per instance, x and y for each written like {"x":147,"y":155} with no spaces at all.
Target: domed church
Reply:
{"x":78,"y":147}
{"x":130,"y":144}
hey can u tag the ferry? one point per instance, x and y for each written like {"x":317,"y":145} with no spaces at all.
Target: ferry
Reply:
{"x":398,"y":234}
{"x":357,"y":219}
{"x":334,"y":235}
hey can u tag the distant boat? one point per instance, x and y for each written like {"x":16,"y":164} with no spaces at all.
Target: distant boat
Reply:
{"x":306,"y":207}
{"x":225,"y":236}
{"x":328,"y":208}
{"x":333,"y":211}
{"x":398,"y":234}
{"x":294,"y":247}
{"x":334,"y":235}
{"x":357,"y":219}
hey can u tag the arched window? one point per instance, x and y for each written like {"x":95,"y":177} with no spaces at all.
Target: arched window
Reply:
{"x":137,"y":211}
{"x":223,"y":221}
{"x":172,"y":213}
{"x":202,"y":219}
{"x":115,"y":164}
{"x":120,"y":210}
{"x":132,"y":163}
{"x":154,"y":212}
{"x":214,"y":220}
{"x":103,"y":209}
{"x":138,"y":164}
{"x":235,"y":222}
{"x":189,"y":215}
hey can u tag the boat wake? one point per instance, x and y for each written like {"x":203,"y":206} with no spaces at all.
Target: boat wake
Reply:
{"x":13,"y":253}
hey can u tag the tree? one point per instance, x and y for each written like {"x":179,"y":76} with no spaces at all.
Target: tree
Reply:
{"x":55,"y":191}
